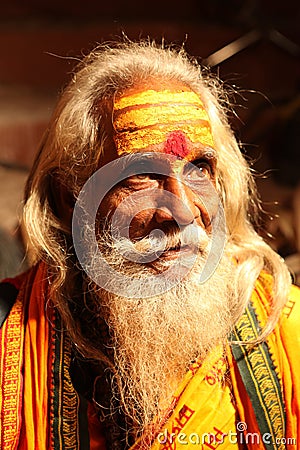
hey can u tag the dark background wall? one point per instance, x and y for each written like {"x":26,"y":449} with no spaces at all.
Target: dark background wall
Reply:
{"x":39,"y":41}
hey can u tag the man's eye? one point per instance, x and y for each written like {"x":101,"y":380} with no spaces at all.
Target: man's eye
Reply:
{"x":140,"y":177}
{"x":202,"y":169}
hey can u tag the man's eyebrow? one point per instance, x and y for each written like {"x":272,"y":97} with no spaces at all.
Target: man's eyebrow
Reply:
{"x":209,"y":153}
{"x":133,"y":158}
{"x":136,"y":161}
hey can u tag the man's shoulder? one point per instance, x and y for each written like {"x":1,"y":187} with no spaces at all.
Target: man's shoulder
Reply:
{"x":287,"y":329}
{"x":9,"y":289}
{"x":15,"y":281}
{"x":290,"y":316}
{"x":289,"y":320}
{"x":264,"y":289}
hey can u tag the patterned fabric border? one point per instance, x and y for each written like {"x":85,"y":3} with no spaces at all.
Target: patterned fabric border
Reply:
{"x":65,"y":401}
{"x":11,"y":350}
{"x":260,"y":379}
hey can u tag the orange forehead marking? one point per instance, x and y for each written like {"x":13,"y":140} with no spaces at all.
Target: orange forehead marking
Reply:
{"x":148,"y":118}
{"x":151,"y":96}
{"x":158,"y":114}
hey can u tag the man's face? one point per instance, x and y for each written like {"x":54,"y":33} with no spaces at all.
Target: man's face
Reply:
{"x":171,"y":169}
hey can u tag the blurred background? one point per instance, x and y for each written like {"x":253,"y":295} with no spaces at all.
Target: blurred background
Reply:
{"x":253,"y":45}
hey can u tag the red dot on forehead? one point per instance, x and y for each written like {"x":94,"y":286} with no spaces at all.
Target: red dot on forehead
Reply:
{"x":176,"y":144}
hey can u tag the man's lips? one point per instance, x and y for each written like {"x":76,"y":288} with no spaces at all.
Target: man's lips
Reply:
{"x":176,"y":251}
{"x":171,"y":255}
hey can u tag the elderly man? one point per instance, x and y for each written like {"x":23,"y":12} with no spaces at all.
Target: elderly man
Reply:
{"x":154,"y":316}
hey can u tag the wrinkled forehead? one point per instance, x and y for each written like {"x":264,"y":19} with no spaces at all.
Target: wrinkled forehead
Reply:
{"x":172,"y":121}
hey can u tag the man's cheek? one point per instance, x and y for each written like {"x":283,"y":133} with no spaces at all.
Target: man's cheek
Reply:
{"x":110,"y":202}
{"x":206,"y":197}
{"x":122,"y":218}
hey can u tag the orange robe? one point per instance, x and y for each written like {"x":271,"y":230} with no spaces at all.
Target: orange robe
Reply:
{"x":40,"y":408}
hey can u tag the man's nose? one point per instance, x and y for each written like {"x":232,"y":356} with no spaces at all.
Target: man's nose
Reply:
{"x":176,"y":203}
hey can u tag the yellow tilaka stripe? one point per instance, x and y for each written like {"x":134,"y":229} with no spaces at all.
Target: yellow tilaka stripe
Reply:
{"x":158,"y":114}
{"x":151,"y":97}
{"x":134,"y":141}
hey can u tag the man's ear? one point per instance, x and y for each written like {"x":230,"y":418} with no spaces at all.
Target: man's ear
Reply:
{"x":61,"y":202}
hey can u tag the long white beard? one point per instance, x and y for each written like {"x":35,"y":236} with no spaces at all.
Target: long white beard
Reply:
{"x":156,"y":338}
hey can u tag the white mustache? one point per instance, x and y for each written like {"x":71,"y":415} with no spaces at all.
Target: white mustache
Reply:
{"x":152,"y":246}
